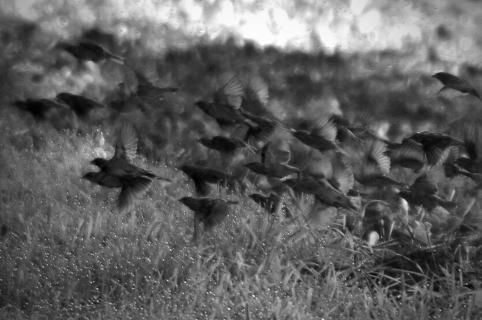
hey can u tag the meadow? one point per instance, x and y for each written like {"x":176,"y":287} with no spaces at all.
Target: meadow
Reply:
{"x":67,"y":253}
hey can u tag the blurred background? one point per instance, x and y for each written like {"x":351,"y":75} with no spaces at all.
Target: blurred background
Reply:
{"x":367,"y":57}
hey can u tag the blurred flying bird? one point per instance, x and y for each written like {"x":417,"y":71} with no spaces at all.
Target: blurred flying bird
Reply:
{"x":39,"y":108}
{"x":322,"y":137}
{"x":323,"y":191}
{"x":57,"y":113}
{"x":225,"y":104}
{"x":82,"y":106}
{"x":150,"y":91}
{"x":423,"y":192}
{"x":118,"y":172}
{"x":261,"y":129}
{"x":452,"y":169}
{"x":422,"y":148}
{"x":270,"y":203}
{"x":208,"y":211}
{"x":453,"y":82}
{"x":256,"y":96}
{"x":89,"y":51}
{"x":224,"y":144}
{"x":202,"y":176}
{"x":371,"y":165}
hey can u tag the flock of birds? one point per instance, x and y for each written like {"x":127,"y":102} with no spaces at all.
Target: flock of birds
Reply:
{"x":338,"y":163}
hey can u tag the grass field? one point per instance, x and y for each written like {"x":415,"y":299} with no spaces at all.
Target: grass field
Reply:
{"x":66,"y":253}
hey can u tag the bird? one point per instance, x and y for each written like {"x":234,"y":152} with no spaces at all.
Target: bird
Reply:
{"x":323,"y":191}
{"x":225,"y":103}
{"x":202,"y":176}
{"x":451,"y":81}
{"x":321,"y":137}
{"x":270,"y":203}
{"x":255,"y":98}
{"x":371,"y":165}
{"x":150,"y":91}
{"x":423,"y":192}
{"x":452,"y":169}
{"x":81,"y":105}
{"x":119,"y":172}
{"x":422,"y":148}
{"x":89,"y":51}
{"x":224,"y":144}
{"x":262,"y":129}
{"x":208,"y":211}
{"x":57,"y":113}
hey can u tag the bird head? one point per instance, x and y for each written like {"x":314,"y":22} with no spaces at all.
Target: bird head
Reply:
{"x":205,"y":141}
{"x":188,"y":201}
{"x":63,"y":96}
{"x":201,"y":104}
{"x":91,"y":176}
{"x":101,"y":163}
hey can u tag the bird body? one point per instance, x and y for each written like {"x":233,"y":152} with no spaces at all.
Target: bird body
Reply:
{"x":423,"y":192}
{"x":223,"y":144}
{"x":323,"y":191}
{"x":208,"y":211}
{"x":150,"y":91}
{"x":225,"y":115}
{"x":118,"y":172}
{"x":82,"y":106}
{"x":453,"y":82}
{"x":201,"y":176}
{"x":89,"y":51}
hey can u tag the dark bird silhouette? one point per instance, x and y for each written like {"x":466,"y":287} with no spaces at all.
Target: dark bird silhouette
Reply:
{"x":202,"y":176}
{"x":119,"y":172}
{"x":256,"y":96}
{"x":261,"y":129}
{"x":323,"y":191}
{"x":423,"y":192}
{"x":371,"y":165}
{"x":322,"y":137}
{"x":150,"y":91}
{"x":225,"y":104}
{"x":453,"y":169}
{"x":89,"y":51}
{"x":208,"y":211}
{"x":58,"y":114}
{"x":225,"y":115}
{"x":422,"y":148}
{"x":224,"y":144}
{"x":82,"y":106}
{"x":269,"y":203}
{"x":450,"y":81}
{"x":39,"y":108}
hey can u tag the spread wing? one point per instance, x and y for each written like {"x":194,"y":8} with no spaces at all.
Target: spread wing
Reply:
{"x":126,"y":145}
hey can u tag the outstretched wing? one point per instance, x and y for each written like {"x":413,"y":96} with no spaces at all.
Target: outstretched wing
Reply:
{"x":132,"y":188}
{"x":126,"y":146}
{"x":230,"y":93}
